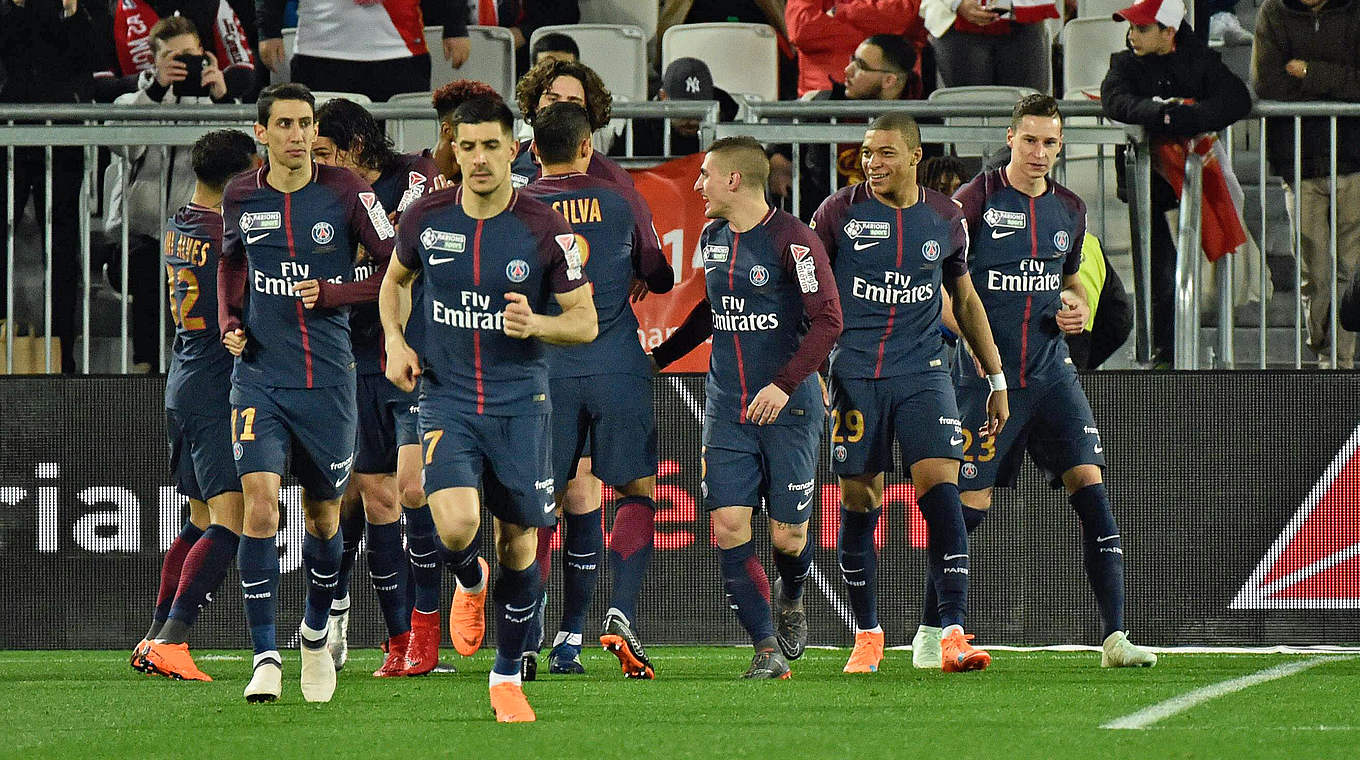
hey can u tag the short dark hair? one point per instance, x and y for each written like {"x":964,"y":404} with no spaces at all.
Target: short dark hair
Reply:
{"x":747,"y":157}
{"x":554,"y":42}
{"x":171,"y":26}
{"x":898,"y":54}
{"x":531,"y":86}
{"x":446,"y":99}
{"x":285,"y":91}
{"x":345,"y":122}
{"x":482,"y":110}
{"x":558,"y":130}
{"x":220,"y":155}
{"x":900,"y":123}
{"x":1036,"y":104}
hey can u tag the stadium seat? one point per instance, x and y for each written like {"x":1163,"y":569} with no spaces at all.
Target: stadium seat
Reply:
{"x":1087,"y":46}
{"x":324,"y":95}
{"x":743,"y":57}
{"x":643,"y":15}
{"x":617,"y":52}
{"x":412,"y":135}
{"x":1002,"y":96}
{"x":289,"y":44}
{"x":492,"y":59}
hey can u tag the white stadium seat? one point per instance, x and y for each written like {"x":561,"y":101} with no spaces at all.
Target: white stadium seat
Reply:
{"x":285,"y":72}
{"x":617,"y":52}
{"x":743,"y":57}
{"x":1087,"y":46}
{"x":412,"y":135}
{"x":492,"y":59}
{"x":983,"y":94}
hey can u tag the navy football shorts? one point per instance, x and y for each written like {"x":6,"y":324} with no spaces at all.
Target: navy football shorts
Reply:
{"x":743,"y":463}
{"x":200,"y":453}
{"x":917,"y":410}
{"x":388,"y":420}
{"x":508,"y":457}
{"x":1054,"y":423}
{"x":312,"y":427}
{"x":608,"y":418}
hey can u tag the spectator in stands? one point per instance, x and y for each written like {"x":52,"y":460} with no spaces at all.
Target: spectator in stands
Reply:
{"x":184,"y":73}
{"x":1169,"y":82}
{"x":524,"y":17}
{"x":48,"y":51}
{"x":769,"y":12}
{"x":1310,"y":50}
{"x":978,"y":42}
{"x":555,"y":45}
{"x":446,"y":100}
{"x":685,"y":79}
{"x":827,"y":32}
{"x":377,"y":49}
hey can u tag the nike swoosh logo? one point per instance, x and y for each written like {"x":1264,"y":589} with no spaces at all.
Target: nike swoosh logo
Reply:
{"x":426,"y":554}
{"x":709,"y":269}
{"x":383,"y":577}
{"x":508,"y":608}
{"x":252,"y":585}
{"x":802,"y":505}
{"x":315,"y":574}
{"x":254,"y":238}
{"x":1103,"y":539}
{"x":861,"y":246}
{"x":948,"y":557}
{"x":587,"y":555}
{"x":550,"y":506}
{"x":955,"y":441}
{"x":998,"y":234}
{"x":341,"y":481}
{"x":1098,"y":448}
{"x":438,"y":260}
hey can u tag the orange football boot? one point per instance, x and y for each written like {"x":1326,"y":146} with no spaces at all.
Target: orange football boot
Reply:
{"x":174,"y":661}
{"x":467,"y":615}
{"x":509,"y":704}
{"x":958,"y":655}
{"x":867,"y":654}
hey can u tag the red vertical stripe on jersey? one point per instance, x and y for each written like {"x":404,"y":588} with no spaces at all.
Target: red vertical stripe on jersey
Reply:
{"x":736,"y":341}
{"x":477,"y":334}
{"x":892,"y":310}
{"x":741,"y":377}
{"x":1029,"y":300}
{"x":301,"y":312}
{"x":732,"y":261}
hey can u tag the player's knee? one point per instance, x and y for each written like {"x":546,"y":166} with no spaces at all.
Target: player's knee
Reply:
{"x":731,"y":527}
{"x":642,"y":487}
{"x":199,"y":514}
{"x":861,"y":496}
{"x":323,"y":525}
{"x":228,"y":510}
{"x":581,"y":497}
{"x":410,"y":491}
{"x":789,"y":539}
{"x":516,"y":546}
{"x":1081,"y":476}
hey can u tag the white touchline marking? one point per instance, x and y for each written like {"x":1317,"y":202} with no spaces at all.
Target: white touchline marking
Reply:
{"x":839,"y":605}
{"x":1163,"y":710}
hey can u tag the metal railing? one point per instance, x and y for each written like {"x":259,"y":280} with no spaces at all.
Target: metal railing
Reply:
{"x":803,"y":125}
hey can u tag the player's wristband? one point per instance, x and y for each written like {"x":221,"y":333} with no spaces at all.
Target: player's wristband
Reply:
{"x":997,"y":381}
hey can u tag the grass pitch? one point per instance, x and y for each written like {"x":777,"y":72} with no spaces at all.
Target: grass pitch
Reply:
{"x":75,"y":704}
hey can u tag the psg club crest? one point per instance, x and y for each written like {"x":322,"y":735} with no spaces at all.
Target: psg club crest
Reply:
{"x":839,"y":452}
{"x":517,"y":270}
{"x":759,"y":275}
{"x":931,"y":250}
{"x":322,"y":233}
{"x":969,"y":470}
{"x":1061,"y":241}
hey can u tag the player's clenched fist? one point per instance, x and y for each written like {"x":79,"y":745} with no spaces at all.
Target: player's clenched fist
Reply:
{"x":403,"y":366}
{"x":520,"y":320}
{"x":235,"y":341}
{"x":1073,"y":314}
{"x":998,"y":411}
{"x":767,"y":405}
{"x":309,"y":291}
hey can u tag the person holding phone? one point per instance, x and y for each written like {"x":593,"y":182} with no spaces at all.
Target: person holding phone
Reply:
{"x":995,"y":42}
{"x":184,"y":73}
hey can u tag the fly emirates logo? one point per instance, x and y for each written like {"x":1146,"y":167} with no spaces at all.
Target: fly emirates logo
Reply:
{"x":734,"y":319}
{"x":290,"y":274}
{"x":1032,"y":279}
{"x":473,"y":312}
{"x":895,"y":289}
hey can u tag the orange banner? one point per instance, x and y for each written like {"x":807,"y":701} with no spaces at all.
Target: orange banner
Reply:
{"x":678,"y":213}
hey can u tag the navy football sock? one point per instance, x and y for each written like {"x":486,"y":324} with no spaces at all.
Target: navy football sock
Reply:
{"x":258,"y":561}
{"x":930,"y":604}
{"x":170,"y":574}
{"x":1104,"y":554}
{"x":794,"y":570}
{"x":204,"y":568}
{"x":580,"y":567}
{"x":516,"y":593}
{"x":351,"y":532}
{"x":947,"y":550}
{"x":321,"y":567}
{"x":387,"y":568}
{"x":630,"y":549}
{"x":748,"y":590}
{"x":463,"y":563}
{"x":859,"y":564}
{"x":422,"y":546}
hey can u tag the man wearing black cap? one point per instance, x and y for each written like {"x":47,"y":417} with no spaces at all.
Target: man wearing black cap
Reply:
{"x":685,"y":79}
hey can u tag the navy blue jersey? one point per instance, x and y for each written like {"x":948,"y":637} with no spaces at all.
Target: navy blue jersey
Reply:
{"x":618,"y":243}
{"x":278,"y":239}
{"x":467,"y":266}
{"x":406,"y":180}
{"x":1021,"y":249}
{"x":763,"y":286}
{"x":890,"y":264}
{"x":525,"y":168}
{"x":199,"y":368}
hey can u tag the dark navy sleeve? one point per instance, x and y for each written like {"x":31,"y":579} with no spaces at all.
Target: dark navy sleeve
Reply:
{"x":369,"y":225}
{"x":232,"y":266}
{"x":971,"y":198}
{"x":649,"y":262}
{"x":956,"y":263}
{"x":408,"y":238}
{"x":827,"y":219}
{"x":804,"y":258}
{"x":607,"y":168}
{"x":696,"y":328}
{"x":1073,"y":261}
